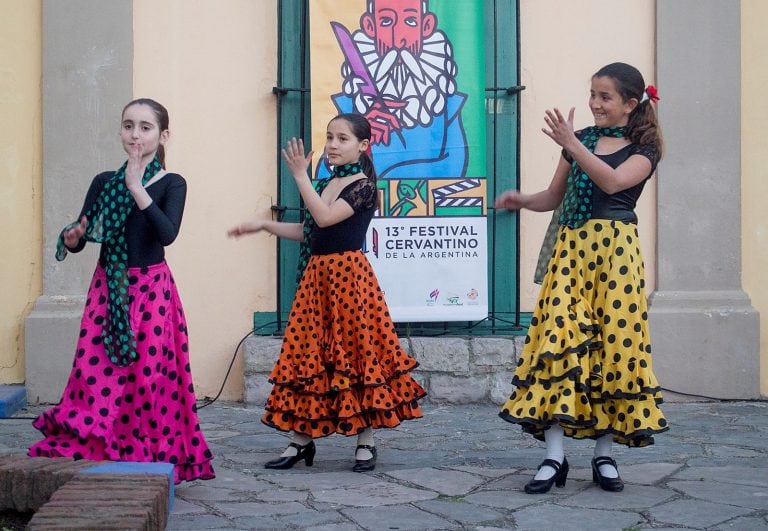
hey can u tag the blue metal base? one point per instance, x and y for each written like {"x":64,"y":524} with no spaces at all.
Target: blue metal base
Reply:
{"x":13,"y":397}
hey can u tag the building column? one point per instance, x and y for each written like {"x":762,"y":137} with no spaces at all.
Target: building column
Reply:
{"x":87,"y":78}
{"x":705,"y":332}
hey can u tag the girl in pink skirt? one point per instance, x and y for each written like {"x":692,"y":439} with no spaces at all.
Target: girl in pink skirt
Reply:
{"x":130,"y":395}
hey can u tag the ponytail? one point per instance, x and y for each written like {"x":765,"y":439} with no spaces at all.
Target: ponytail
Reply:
{"x":643,"y":127}
{"x":367,"y":165}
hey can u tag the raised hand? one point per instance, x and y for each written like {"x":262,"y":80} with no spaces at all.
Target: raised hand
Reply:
{"x":294,"y":156}
{"x":134,"y":171}
{"x":560,"y":129}
{"x":73,"y":235}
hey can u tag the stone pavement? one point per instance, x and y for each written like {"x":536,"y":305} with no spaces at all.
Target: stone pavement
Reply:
{"x":462,"y":467}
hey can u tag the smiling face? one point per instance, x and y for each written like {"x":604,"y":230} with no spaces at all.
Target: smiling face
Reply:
{"x":341,"y":144}
{"x":608,"y":107}
{"x":140,"y":126}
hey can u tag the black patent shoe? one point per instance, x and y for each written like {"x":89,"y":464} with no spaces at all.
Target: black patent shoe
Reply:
{"x":609,"y":484}
{"x":306,"y":452}
{"x":540,"y":486}
{"x":365,"y":465}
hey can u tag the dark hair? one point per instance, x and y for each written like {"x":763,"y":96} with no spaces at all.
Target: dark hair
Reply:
{"x":643,"y":125}
{"x":361,"y":128}
{"x":161,"y":113}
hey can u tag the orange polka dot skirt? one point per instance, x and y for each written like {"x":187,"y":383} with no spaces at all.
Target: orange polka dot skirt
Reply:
{"x":587,"y":358}
{"x":341,"y":368}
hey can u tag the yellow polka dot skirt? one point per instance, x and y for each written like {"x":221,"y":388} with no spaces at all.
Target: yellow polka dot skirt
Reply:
{"x":587,"y":358}
{"x":341,"y":368}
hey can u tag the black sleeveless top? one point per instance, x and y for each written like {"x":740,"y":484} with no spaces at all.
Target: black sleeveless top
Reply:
{"x":621,"y":205}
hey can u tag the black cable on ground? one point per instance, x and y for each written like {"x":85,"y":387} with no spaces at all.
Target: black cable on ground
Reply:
{"x":229,"y":369}
{"x":717,"y":399}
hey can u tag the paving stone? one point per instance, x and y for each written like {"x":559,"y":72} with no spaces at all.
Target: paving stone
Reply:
{"x":283,"y":495}
{"x":460,"y":511}
{"x":646,"y":473}
{"x":308,"y":518}
{"x":566,"y":518}
{"x":237,"y":510}
{"x":500,"y":499}
{"x":756,"y":476}
{"x":335,"y":527}
{"x":696,"y":514}
{"x":740,"y":495}
{"x":744,"y":523}
{"x":181,"y":507}
{"x":399,"y":517}
{"x":239,"y":481}
{"x":203,"y":521}
{"x":733,"y":451}
{"x":321,"y":481}
{"x":488,"y":471}
{"x":448,"y":482}
{"x":207,"y":492}
{"x":632,"y":497}
{"x":372,"y":495}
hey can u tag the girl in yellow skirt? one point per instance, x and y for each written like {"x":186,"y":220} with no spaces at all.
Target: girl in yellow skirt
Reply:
{"x":341,"y":368}
{"x":585,"y":371}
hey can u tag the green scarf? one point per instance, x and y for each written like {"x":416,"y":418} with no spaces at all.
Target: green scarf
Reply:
{"x":106,"y":225}
{"x":305,"y":251}
{"x":577,"y":203}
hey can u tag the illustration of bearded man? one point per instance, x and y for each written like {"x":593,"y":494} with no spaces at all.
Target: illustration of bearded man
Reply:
{"x":400,"y":73}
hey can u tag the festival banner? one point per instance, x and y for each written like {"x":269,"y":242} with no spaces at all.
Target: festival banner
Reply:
{"x":414,"y":68}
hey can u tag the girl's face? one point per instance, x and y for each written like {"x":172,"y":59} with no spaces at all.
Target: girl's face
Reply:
{"x":140,"y":126}
{"x":341,"y":145}
{"x":607,"y":105}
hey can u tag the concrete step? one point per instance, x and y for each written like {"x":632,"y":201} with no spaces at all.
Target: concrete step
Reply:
{"x":455,"y":370}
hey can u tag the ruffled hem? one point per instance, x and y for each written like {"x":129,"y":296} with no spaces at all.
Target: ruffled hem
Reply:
{"x":317,"y":427}
{"x":97,"y":443}
{"x":586,"y":363}
{"x":346,"y":411}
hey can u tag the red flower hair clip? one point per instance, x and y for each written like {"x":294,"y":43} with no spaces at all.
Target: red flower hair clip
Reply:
{"x":651,"y":93}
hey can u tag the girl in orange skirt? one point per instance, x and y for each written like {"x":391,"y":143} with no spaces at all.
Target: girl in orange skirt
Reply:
{"x":586,"y":369}
{"x":341,"y":368}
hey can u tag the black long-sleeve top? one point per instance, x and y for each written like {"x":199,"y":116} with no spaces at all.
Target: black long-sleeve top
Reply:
{"x":147,"y":231}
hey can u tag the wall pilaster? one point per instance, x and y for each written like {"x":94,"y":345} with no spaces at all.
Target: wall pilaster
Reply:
{"x":87,"y":78}
{"x":705,"y":332}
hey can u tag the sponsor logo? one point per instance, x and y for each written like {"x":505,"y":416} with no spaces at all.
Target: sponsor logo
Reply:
{"x":433,"y":295}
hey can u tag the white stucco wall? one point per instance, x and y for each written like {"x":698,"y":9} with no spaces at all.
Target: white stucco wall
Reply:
{"x":213,"y":64}
{"x":562,"y":43}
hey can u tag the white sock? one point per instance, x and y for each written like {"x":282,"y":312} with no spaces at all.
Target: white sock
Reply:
{"x":603,"y":447}
{"x":554,"y":438}
{"x":365,"y":438}
{"x":298,"y":438}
